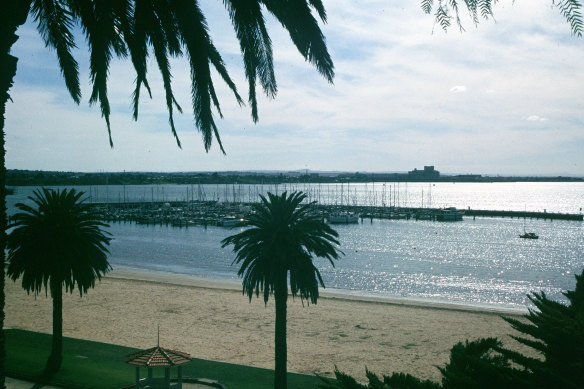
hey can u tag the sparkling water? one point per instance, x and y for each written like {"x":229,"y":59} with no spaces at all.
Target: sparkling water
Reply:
{"x":480,"y":262}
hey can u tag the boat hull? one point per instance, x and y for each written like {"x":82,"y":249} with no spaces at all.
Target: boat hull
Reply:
{"x":343,"y":218}
{"x":449,"y":215}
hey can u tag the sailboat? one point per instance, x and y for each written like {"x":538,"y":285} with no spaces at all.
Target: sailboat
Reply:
{"x":527,"y":235}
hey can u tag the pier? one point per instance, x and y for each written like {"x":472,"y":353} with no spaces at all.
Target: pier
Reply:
{"x":190,"y":213}
{"x":524,"y":214}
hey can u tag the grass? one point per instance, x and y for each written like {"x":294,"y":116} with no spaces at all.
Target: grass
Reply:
{"x":95,"y":365}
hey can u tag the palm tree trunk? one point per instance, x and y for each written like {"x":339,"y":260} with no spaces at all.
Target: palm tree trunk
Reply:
{"x":12,"y":15}
{"x":2,"y":246}
{"x":54,"y":362}
{"x":281,"y":350}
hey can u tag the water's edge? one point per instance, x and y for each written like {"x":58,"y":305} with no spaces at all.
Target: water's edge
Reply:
{"x":133,"y":274}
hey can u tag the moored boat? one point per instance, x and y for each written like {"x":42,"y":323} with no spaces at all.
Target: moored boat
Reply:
{"x":449,"y":215}
{"x":342,"y":218}
{"x":230,"y":221}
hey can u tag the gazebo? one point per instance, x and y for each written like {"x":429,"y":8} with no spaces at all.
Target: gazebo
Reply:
{"x":158,"y":357}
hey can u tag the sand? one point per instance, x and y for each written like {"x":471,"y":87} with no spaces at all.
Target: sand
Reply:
{"x":212,"y":320}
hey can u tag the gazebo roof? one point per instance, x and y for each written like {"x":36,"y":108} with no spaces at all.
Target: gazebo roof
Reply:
{"x":158,"y":357}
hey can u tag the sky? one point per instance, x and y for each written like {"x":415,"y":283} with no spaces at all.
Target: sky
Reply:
{"x":500,"y":98}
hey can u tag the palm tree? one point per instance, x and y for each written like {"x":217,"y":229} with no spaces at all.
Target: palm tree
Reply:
{"x":282,"y":239}
{"x":59,"y":243}
{"x":164,"y":28}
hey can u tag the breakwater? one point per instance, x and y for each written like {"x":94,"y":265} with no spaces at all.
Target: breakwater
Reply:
{"x":187,"y":213}
{"x":525,"y":214}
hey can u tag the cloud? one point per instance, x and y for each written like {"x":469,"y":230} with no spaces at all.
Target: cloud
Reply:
{"x":535,"y":118}
{"x":458,"y":89}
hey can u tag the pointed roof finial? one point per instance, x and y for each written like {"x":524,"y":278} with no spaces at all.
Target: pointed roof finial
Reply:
{"x":158,"y":339}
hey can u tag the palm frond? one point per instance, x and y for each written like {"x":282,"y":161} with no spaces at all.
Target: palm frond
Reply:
{"x":54,"y":23}
{"x":161,"y":32}
{"x":255,"y":45}
{"x":427,"y":6}
{"x":570,"y":10}
{"x":136,"y":40}
{"x":101,"y":25}
{"x":195,"y":37}
{"x":454,"y":6}
{"x":296,"y":17}
{"x":319,"y":8}
{"x":443,"y":18}
{"x":217,"y":61}
{"x":486,"y":7}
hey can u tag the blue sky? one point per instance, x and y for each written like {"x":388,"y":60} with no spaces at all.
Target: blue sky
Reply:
{"x":501,"y":98}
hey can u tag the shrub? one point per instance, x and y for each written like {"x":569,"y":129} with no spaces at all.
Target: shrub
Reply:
{"x":395,"y":381}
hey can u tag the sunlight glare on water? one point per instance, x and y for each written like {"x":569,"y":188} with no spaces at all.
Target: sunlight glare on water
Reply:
{"x":478,"y":261}
{"x":475,"y":262}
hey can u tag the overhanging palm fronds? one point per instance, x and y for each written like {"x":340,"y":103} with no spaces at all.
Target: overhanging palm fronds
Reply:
{"x":296,"y":17}
{"x":55,"y":24}
{"x":445,"y":9}
{"x":570,"y":10}
{"x":248,"y":22}
{"x":176,"y":28}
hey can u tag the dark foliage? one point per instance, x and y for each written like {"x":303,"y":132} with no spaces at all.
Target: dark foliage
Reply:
{"x":556,"y":330}
{"x":59,"y":243}
{"x":280,"y":243}
{"x":407,"y":381}
{"x":394,"y":381}
{"x":479,"y":364}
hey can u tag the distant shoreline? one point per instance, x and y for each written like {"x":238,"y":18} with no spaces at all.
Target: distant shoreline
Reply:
{"x":16,"y":177}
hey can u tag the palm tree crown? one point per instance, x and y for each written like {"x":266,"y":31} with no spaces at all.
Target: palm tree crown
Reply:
{"x":59,"y":241}
{"x":283,"y":237}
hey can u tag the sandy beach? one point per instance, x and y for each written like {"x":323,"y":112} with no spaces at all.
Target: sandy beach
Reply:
{"x":213,"y":320}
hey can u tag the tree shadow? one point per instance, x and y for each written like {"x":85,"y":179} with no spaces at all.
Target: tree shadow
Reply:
{"x":44,"y":379}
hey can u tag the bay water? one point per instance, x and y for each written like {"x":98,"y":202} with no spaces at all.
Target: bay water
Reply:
{"x":477,"y":262}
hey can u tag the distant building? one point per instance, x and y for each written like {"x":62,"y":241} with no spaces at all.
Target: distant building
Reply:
{"x":428,"y":174}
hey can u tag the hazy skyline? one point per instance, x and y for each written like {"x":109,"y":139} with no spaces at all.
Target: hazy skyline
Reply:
{"x":502,"y":98}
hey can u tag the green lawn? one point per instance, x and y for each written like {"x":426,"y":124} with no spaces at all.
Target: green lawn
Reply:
{"x":100,"y":365}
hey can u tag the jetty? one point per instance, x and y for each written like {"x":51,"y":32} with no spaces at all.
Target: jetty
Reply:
{"x":229,"y":214}
{"x":524,"y":214}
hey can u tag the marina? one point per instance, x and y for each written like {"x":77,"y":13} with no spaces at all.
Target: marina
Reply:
{"x":517,"y":199}
{"x":184,"y":214}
